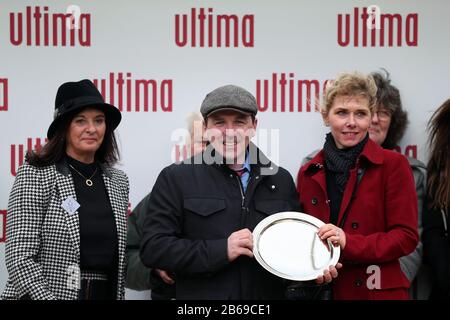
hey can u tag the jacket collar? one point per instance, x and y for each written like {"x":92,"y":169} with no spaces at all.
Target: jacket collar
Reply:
{"x":63,"y":167}
{"x":371,"y":153}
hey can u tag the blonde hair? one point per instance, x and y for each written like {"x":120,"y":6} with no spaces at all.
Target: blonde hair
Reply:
{"x":349,"y":84}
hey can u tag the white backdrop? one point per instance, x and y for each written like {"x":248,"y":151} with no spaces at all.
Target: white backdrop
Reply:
{"x":137,"y":40}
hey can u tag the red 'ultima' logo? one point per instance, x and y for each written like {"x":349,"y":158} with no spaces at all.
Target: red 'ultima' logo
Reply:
{"x":18,"y":158}
{"x":283,"y":93}
{"x":404,"y":27}
{"x":2,"y":225}
{"x":410,"y":151}
{"x":3,"y":94}
{"x":49,"y":26}
{"x":207,"y":29}
{"x":131,"y":93}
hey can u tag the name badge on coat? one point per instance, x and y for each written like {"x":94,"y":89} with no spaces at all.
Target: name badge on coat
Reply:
{"x":70,"y":205}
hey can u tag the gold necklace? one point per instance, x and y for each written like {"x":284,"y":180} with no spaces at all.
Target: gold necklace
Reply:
{"x":88,"y":180}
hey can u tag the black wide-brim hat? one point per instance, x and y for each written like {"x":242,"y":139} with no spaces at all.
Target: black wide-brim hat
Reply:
{"x":72,"y":97}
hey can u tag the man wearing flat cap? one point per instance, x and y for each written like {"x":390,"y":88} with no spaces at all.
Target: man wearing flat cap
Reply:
{"x":201,"y":213}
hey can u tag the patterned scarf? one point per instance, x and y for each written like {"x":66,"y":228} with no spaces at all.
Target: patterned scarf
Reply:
{"x":340,"y":161}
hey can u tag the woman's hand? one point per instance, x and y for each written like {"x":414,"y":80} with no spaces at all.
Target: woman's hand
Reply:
{"x":335,"y":234}
{"x":329,"y":275}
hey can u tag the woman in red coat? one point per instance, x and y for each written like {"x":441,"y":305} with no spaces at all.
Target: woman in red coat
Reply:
{"x":364,"y":193}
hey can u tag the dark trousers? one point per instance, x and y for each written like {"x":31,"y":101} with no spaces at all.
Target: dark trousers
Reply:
{"x":96,"y":290}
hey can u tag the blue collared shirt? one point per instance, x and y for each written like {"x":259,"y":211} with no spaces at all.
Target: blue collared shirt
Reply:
{"x":246,"y":175}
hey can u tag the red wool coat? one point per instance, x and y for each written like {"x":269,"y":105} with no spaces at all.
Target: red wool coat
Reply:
{"x":381,"y":225}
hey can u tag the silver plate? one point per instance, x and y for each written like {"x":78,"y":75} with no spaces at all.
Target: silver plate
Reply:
{"x":287,"y":245}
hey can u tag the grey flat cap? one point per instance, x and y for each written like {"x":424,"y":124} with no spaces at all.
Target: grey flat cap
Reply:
{"x":229,"y":97}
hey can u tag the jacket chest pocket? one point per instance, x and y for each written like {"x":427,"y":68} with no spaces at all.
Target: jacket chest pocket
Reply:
{"x":205,"y":218}
{"x":204,"y":207}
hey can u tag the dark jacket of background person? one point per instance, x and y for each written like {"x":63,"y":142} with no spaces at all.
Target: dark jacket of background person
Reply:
{"x":417,"y":273}
{"x":437,"y":251}
{"x":411,"y":263}
{"x":140,"y":277}
{"x":381,"y":225}
{"x":193,"y":209}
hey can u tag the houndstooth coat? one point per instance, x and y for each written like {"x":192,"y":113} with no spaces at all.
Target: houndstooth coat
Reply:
{"x":43,"y":239}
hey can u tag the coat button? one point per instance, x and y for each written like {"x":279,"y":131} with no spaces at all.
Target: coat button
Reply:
{"x":355,"y":225}
{"x":231,"y":175}
{"x":257,"y":177}
{"x":314,"y":201}
{"x":273,"y":187}
{"x":358,"y":282}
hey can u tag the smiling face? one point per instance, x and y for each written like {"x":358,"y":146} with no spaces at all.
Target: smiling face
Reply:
{"x":349,"y":119}
{"x":85,"y":134}
{"x":230,"y":132}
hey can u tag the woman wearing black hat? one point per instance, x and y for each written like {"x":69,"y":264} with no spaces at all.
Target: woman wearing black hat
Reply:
{"x":66,"y":223}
